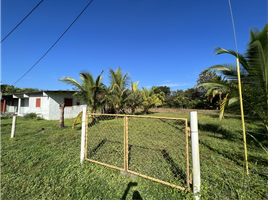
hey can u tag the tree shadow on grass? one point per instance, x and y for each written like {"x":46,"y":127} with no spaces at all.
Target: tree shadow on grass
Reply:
{"x":236,"y":158}
{"x":218,"y":131}
{"x":247,"y":118}
{"x":230,"y":157}
{"x":136,"y":194}
{"x":97,"y":148}
{"x":177,"y":172}
{"x":179,"y":125}
{"x":3,"y":125}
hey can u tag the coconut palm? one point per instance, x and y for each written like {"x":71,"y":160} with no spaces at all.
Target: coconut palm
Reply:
{"x":254,"y":76}
{"x":135,"y":97}
{"x":90,"y":91}
{"x":150,"y":100}
{"x":119,"y":83}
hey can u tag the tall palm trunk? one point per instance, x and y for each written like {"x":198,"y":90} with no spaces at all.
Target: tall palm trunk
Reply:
{"x":94,"y":119}
{"x":62,"y":105}
{"x":116,"y":112}
{"x":133,"y":111}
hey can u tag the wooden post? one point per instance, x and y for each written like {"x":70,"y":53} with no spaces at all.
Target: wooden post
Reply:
{"x":13,"y":126}
{"x":62,"y":105}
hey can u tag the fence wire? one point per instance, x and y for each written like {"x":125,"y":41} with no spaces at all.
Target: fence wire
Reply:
{"x":152,"y":147}
{"x":157,"y":148}
{"x":105,"y":140}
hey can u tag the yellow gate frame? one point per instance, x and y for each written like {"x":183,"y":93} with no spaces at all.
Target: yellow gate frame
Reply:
{"x":125,"y":169}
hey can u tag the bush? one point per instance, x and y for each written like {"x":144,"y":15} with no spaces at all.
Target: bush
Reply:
{"x":30,"y":116}
{"x":39,"y":118}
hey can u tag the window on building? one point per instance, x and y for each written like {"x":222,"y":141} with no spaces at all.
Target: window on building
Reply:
{"x":12,"y":103}
{"x":38,"y":103}
{"x":68,"y":102}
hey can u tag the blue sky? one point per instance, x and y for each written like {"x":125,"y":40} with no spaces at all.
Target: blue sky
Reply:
{"x":158,"y":42}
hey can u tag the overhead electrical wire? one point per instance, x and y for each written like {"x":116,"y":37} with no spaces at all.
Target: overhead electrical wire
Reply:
{"x":22,"y":21}
{"x":54,"y":43}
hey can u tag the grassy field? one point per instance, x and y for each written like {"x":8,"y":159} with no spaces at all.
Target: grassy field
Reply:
{"x":45,"y":165}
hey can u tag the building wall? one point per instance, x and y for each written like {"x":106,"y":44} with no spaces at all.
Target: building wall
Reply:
{"x":24,"y":106}
{"x":42,"y":111}
{"x":49,"y":107}
{"x":54,"y":106}
{"x":9,"y":107}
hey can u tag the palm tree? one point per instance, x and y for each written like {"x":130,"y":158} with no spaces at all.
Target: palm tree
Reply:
{"x":90,"y":91}
{"x":134,"y":99}
{"x":150,"y":100}
{"x":254,"y":77}
{"x":119,"y":83}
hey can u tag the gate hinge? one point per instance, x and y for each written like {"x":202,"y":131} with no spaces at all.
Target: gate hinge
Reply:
{"x":191,"y":179}
{"x":189,"y":131}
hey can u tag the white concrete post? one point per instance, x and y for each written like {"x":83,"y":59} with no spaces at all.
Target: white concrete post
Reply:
{"x":19,"y":106}
{"x":195,"y":154}
{"x":13,"y":126}
{"x":83,"y":135}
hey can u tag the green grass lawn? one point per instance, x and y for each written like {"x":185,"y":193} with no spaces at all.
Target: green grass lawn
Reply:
{"x":37,"y":165}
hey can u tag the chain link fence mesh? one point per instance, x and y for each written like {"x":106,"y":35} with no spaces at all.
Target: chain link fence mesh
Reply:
{"x":155,"y":147}
{"x":105,"y":139}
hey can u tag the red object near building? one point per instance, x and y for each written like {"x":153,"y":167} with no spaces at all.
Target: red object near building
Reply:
{"x":3,"y":105}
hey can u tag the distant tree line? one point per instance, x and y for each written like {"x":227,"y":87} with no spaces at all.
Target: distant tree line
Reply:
{"x":192,"y":98}
{"x":11,"y":89}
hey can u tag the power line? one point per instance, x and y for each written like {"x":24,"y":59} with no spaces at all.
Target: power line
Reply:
{"x":22,"y":20}
{"x":54,"y":43}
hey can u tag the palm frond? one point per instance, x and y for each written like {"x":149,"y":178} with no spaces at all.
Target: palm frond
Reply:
{"x":223,"y":106}
{"x":78,"y":118}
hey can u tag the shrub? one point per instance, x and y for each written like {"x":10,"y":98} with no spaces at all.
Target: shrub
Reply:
{"x":30,"y":116}
{"x":39,"y":118}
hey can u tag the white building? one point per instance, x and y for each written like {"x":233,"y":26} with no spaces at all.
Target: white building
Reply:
{"x":45,"y":104}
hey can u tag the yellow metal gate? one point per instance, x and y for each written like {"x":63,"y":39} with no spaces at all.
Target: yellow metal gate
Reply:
{"x":155,"y":148}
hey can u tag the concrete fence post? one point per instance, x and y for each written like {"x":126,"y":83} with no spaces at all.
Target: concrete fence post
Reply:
{"x":13,"y":126}
{"x":83,"y":135}
{"x":195,"y":154}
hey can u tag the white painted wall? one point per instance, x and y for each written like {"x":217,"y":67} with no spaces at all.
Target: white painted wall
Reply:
{"x":55,"y":99}
{"x":43,"y":111}
{"x":49,"y":108}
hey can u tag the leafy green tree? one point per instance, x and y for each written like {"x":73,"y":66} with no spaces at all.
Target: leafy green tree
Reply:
{"x":254,"y":77}
{"x":164,"y":89}
{"x":11,"y":89}
{"x":90,"y":91}
{"x":178,"y":93}
{"x":205,"y":77}
{"x":182,"y":101}
{"x":192,"y":93}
